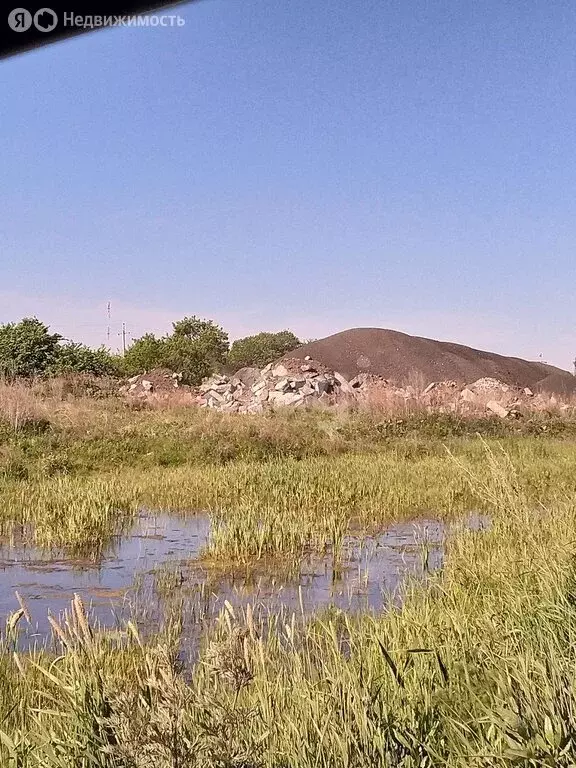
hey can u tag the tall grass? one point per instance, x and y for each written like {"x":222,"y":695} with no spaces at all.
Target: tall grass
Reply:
{"x":63,"y":512}
{"x":45,"y":431}
{"x":476,"y":668}
{"x":283,"y":506}
{"x":21,"y":410}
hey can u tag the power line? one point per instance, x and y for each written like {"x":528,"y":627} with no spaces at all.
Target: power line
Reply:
{"x":124,"y":335}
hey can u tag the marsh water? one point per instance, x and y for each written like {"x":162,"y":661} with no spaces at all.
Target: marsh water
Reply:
{"x":156,"y":567}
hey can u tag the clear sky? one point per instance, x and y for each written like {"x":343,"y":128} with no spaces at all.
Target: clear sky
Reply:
{"x":312,"y":165}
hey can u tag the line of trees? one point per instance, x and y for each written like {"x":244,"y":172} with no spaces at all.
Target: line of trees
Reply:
{"x":196,"y":348}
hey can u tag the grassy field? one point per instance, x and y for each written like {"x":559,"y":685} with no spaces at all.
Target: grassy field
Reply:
{"x":46,"y":434}
{"x":276,"y":505}
{"x":475,"y":669}
{"x":73,"y":470}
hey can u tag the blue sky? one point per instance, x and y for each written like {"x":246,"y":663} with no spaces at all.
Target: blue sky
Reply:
{"x":311,"y":165}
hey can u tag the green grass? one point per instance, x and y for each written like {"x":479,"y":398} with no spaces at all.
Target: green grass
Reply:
{"x":46,"y":438}
{"x":282,"y":506}
{"x":361,"y":488}
{"x":477,"y":668}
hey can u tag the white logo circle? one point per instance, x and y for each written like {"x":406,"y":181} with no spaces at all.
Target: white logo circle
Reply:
{"x":45,"y":20}
{"x":20,"y":20}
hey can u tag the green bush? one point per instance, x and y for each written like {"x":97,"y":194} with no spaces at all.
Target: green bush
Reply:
{"x":196,"y":348}
{"x":27,"y":348}
{"x":73,"y":357}
{"x":144,"y":354}
{"x":261,"y":349}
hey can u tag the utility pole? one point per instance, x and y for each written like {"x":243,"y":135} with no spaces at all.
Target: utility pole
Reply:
{"x":108,"y":327}
{"x":123,"y":338}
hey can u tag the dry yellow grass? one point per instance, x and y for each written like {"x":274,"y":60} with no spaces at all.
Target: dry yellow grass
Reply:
{"x":63,"y":402}
{"x":20,"y":405}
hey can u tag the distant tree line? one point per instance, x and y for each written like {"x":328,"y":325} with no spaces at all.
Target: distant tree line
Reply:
{"x":196,"y":348}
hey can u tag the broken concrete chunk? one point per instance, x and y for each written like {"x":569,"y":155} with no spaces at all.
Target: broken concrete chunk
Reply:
{"x":280,"y":371}
{"x":247,"y":376}
{"x":215,"y":383}
{"x":497,"y":408}
{"x":344,"y":383}
{"x":322,"y":386}
{"x":220,"y":388}
{"x":306,"y":390}
{"x":290,"y":398}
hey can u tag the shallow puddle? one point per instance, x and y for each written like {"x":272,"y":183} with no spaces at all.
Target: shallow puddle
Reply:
{"x":154,"y":570}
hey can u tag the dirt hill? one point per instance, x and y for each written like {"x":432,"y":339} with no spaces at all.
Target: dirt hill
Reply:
{"x":399,"y":357}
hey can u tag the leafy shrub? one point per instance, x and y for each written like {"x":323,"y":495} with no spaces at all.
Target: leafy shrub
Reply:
{"x":144,"y":354}
{"x":27,"y":348}
{"x":196,"y":348}
{"x":261,"y":349}
{"x":73,"y":357}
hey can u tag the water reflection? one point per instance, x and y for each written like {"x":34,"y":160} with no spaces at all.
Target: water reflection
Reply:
{"x":153,"y":570}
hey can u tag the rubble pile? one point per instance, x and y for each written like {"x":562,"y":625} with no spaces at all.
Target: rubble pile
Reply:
{"x":289,"y":383}
{"x":159,"y":382}
{"x":369,"y":387}
{"x":403,"y":359}
{"x":496,"y":397}
{"x":305,"y":382}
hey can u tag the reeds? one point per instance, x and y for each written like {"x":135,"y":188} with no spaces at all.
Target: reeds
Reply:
{"x":449,"y":680}
{"x":286,"y":507}
{"x":477,"y":668}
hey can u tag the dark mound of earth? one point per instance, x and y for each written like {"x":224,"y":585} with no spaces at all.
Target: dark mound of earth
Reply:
{"x":400,"y":358}
{"x":557,"y":384}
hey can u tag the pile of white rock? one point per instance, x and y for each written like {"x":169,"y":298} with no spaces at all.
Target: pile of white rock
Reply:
{"x":291,"y":383}
{"x":294,"y":383}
